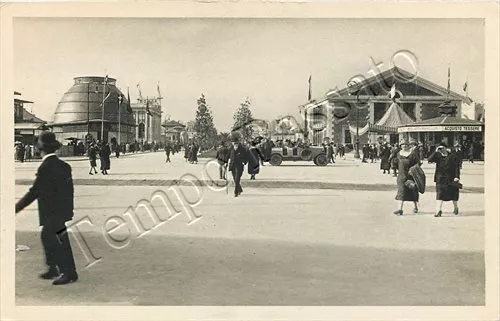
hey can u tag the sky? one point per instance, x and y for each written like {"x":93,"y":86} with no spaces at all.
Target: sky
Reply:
{"x":267,"y":60}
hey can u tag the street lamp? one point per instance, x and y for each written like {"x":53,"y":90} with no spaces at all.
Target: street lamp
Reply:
{"x":120,"y":97}
{"x":102,"y":109}
{"x":353,"y":88}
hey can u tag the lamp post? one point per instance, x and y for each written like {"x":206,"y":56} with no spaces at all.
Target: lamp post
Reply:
{"x":120,"y":97}
{"x":102,"y":110}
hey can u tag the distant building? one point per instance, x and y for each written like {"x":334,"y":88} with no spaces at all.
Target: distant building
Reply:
{"x":173,"y":130}
{"x":80,"y":112}
{"x":27,"y":126}
{"x":336,"y":116}
{"x":148,"y":125}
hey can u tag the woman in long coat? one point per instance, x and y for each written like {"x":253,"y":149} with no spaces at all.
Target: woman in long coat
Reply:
{"x":105,"y":161}
{"x":255,"y":152}
{"x":407,"y":157}
{"x":446,"y":177}
{"x":385,"y":153}
{"x":187,"y":149}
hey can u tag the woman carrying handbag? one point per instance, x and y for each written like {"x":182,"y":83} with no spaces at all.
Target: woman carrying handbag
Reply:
{"x":407,"y":189}
{"x":446,"y":177}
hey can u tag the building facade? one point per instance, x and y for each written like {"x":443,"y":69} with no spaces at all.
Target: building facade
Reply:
{"x":27,"y":126}
{"x":359,"y":107}
{"x":148,"y":124}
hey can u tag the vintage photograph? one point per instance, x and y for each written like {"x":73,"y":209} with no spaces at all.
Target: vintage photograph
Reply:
{"x":249,"y":161}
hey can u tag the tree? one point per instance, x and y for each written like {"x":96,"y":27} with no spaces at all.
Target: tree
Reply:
{"x":204,"y":128}
{"x":243,"y":120}
{"x":223,"y":137}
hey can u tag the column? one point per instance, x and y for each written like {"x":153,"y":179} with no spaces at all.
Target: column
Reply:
{"x":418,"y":111}
{"x":373,"y":136}
{"x":329,"y":122}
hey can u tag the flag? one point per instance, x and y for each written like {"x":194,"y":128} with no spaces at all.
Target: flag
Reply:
{"x":158,"y":89}
{"x":465,"y":86}
{"x":392,"y":93}
{"x":310,"y":89}
{"x":129,"y":108}
{"x":105,"y":89}
{"x":139,"y":89}
{"x":147,"y":108}
{"x":448,"y":88}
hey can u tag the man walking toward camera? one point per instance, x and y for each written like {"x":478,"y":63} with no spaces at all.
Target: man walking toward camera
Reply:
{"x":239,"y":157}
{"x":53,"y":187}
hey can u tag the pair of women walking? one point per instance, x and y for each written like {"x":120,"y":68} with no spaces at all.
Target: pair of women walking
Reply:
{"x":409,"y":177}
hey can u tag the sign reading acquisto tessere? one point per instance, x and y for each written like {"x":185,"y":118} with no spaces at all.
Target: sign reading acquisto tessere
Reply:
{"x":440,"y":129}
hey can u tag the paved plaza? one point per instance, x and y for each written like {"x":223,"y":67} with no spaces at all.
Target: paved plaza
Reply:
{"x":272,"y":246}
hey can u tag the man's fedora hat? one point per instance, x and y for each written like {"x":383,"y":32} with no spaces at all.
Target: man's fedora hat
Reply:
{"x":47,"y":142}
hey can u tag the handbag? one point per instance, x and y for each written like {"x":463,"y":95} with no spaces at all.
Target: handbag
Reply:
{"x":410,"y":184}
{"x":456,"y":185}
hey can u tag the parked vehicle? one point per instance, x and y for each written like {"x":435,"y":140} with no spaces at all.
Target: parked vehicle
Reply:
{"x":311,"y":153}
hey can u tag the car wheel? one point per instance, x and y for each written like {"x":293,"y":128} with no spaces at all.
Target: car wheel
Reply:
{"x":320,"y":160}
{"x":276,"y":159}
{"x":306,"y":155}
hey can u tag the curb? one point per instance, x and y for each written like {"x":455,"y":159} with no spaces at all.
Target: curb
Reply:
{"x":248,"y":183}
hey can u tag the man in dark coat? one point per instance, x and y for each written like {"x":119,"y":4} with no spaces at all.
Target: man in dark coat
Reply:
{"x":53,"y":187}
{"x":168,"y":149}
{"x":238,"y":158}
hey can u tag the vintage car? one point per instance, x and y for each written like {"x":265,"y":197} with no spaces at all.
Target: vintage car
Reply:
{"x":311,"y":153}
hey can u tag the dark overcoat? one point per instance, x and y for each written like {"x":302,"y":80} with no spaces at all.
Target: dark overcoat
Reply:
{"x":53,"y":188}
{"x":385,"y":153}
{"x":104,"y":153}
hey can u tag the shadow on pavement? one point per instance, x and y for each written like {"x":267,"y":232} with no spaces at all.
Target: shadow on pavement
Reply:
{"x":171,"y":270}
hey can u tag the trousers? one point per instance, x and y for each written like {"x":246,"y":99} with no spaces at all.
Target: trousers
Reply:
{"x":222,"y":171}
{"x":237,"y":172}
{"x":57,"y":248}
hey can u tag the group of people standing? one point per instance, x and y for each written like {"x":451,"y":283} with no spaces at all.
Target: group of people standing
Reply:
{"x":104,"y":151}
{"x":257,"y":150}
{"x":23,"y":152}
{"x":235,"y":157}
{"x":191,"y":152}
{"x":408,"y":157}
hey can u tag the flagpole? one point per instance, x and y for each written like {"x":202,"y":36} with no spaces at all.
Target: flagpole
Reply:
{"x":102,"y":110}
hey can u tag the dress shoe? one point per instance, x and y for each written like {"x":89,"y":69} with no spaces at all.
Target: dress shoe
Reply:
{"x":398,"y":212}
{"x":52,"y":273}
{"x":438,"y":214}
{"x":415,"y":210}
{"x":455,"y":211}
{"x":65,"y":279}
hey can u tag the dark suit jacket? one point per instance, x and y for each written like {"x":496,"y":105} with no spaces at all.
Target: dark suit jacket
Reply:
{"x":447,"y":168}
{"x":53,"y":187}
{"x":239,"y":157}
